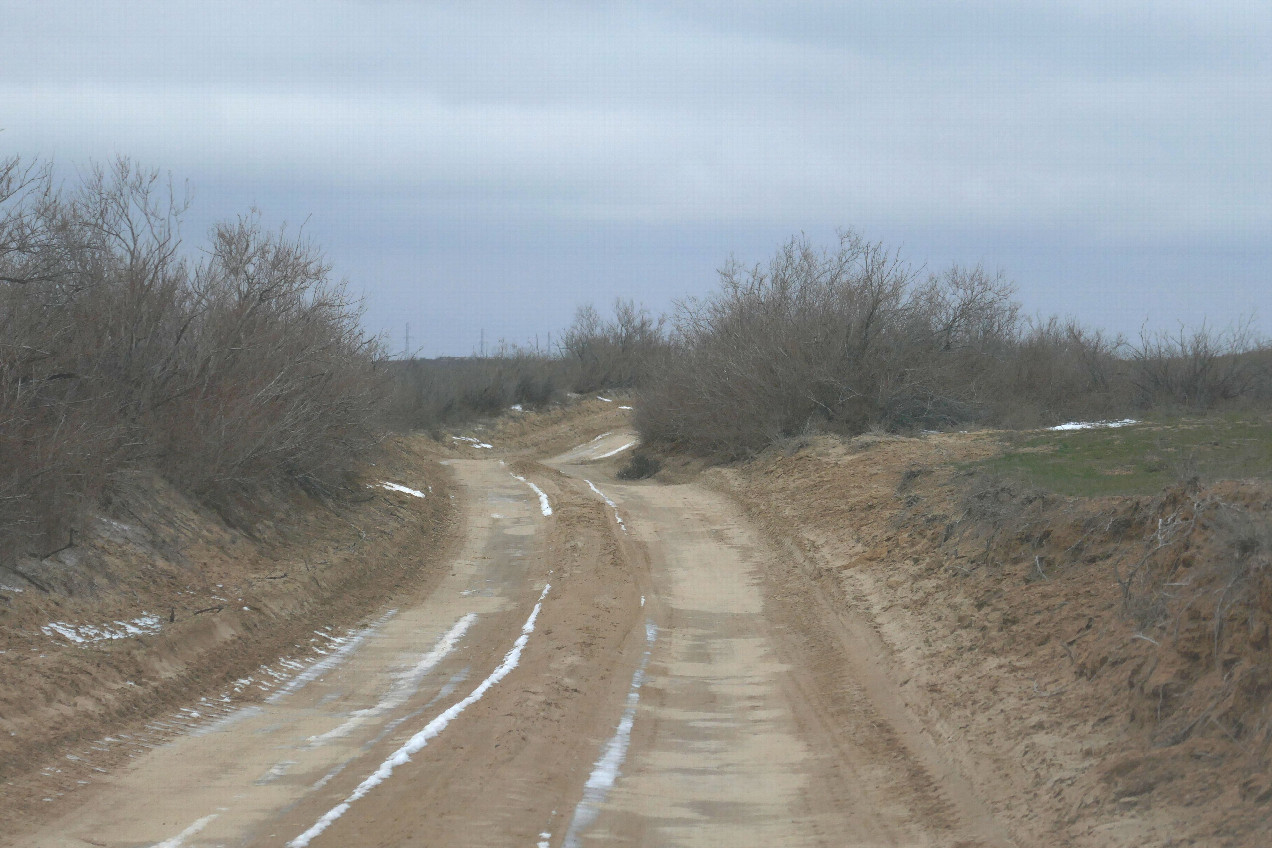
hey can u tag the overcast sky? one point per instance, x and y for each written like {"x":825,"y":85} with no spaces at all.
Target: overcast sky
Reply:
{"x":491,"y":166}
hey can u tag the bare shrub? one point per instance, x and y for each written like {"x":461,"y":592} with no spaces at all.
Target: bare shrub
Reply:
{"x":595,"y":354}
{"x":428,"y":393}
{"x":640,"y":466}
{"x":1058,"y":370}
{"x":613,"y":354}
{"x":843,"y":339}
{"x":119,"y":353}
{"x":851,"y":339}
{"x":1200,"y":369}
{"x":277,"y":375}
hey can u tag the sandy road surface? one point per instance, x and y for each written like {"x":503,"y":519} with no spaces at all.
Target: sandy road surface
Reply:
{"x":750,"y":729}
{"x":619,"y":672}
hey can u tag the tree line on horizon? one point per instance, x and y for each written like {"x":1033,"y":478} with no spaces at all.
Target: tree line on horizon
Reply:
{"x":241,"y":368}
{"x":845,"y":339}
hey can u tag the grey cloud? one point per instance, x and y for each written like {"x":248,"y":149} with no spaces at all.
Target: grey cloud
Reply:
{"x":1032,"y":130}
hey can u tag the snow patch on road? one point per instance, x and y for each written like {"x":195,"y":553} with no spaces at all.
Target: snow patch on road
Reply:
{"x":544,"y":505}
{"x":179,"y":840}
{"x":616,"y":450}
{"x":612,"y":505}
{"x":605,"y":772}
{"x":417,"y":742}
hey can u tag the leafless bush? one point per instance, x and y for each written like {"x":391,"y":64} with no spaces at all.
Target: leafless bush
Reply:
{"x":1059,"y":370}
{"x":118,"y":352}
{"x":429,"y":393}
{"x":594,"y":355}
{"x":851,"y":339}
{"x":613,"y":354}
{"x":277,"y":374}
{"x":640,"y":466}
{"x":844,"y":339}
{"x":1200,"y":369}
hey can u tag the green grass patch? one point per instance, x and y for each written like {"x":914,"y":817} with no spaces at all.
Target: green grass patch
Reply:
{"x":1139,"y":458}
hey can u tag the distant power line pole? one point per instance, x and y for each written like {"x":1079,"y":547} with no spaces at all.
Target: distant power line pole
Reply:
{"x":406,"y":349}
{"x":481,"y":348}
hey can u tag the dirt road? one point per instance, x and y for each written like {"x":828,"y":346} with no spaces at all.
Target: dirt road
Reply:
{"x":604,"y":663}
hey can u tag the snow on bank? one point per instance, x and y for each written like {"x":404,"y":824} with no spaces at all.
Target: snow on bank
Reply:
{"x":612,"y":505}
{"x":417,"y":742}
{"x":83,"y":633}
{"x":477,"y":443}
{"x":544,"y":505}
{"x":1093,"y":425}
{"x":607,"y":400}
{"x":616,"y":451}
{"x":394,"y":487}
{"x":605,"y":772}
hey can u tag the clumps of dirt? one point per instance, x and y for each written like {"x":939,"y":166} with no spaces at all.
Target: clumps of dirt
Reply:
{"x":1100,"y":667}
{"x":159,"y":602}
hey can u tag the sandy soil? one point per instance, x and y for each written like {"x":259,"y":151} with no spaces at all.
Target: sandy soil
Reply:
{"x":1008,"y":644}
{"x":224,"y":605}
{"x":758,"y":656}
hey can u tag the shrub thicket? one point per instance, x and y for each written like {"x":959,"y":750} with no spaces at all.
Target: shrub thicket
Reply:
{"x":852,"y":339}
{"x":429,"y":393}
{"x":594,"y":355}
{"x":615,"y":354}
{"x":239,"y":369}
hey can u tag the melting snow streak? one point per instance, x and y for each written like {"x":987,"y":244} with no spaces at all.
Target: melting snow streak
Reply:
{"x":394,"y":487}
{"x":347,"y":645}
{"x":616,"y":450}
{"x":417,"y":742}
{"x":179,"y":840}
{"x":605,"y":772}
{"x":407,"y":683}
{"x":612,"y":505}
{"x":543,"y":499}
